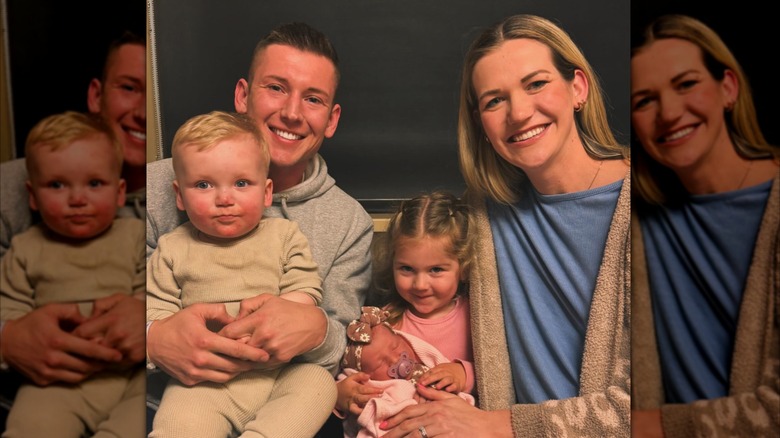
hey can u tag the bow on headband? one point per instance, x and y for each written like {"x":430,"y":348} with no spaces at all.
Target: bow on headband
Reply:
{"x":359,"y":333}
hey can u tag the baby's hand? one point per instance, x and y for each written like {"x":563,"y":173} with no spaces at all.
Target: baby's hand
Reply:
{"x":450,"y":377}
{"x":354,"y":393}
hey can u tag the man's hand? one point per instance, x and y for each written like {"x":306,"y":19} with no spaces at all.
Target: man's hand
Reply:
{"x":37,"y":346}
{"x":282,"y":328}
{"x":186,"y":349}
{"x":120,"y":322}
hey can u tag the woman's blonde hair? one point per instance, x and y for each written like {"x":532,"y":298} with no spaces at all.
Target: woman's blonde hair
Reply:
{"x":439,"y":215}
{"x":486,"y":172}
{"x":657,"y":184}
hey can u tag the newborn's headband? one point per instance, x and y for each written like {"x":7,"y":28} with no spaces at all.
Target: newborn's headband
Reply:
{"x":359,"y":333}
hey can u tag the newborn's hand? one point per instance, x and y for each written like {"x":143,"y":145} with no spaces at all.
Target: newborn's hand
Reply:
{"x":450,"y":377}
{"x":354,"y":393}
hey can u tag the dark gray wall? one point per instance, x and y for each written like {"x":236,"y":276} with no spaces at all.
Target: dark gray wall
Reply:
{"x":400,"y":63}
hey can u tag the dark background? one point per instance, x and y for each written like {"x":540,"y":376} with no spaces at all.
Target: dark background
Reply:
{"x":400,"y":64}
{"x":55,"y":48}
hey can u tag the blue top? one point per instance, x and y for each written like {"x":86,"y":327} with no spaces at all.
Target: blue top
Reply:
{"x":548,"y":251}
{"x":698,"y":256}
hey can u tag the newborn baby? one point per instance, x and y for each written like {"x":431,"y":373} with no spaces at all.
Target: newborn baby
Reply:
{"x":394,"y":360}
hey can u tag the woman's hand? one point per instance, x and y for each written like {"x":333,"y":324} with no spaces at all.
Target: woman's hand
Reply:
{"x":446,"y":415}
{"x":450,"y":377}
{"x":354,"y":393}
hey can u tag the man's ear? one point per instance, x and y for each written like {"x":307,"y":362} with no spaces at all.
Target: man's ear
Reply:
{"x":241,"y":96}
{"x":94,"y":93}
{"x":333,"y":121}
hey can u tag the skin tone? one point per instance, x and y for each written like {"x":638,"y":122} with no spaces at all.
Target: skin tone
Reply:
{"x":121,"y":100}
{"x":291,"y":100}
{"x":77,"y":190}
{"x":678,"y":115}
{"x":527,"y":112}
{"x":384,"y":350}
{"x":224,"y":189}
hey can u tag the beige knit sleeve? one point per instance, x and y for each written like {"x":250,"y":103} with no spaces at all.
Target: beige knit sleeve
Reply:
{"x":299,"y":268}
{"x":163,"y":294}
{"x":16,"y":292}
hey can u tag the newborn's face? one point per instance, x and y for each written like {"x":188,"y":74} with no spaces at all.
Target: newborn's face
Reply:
{"x":385,"y":352}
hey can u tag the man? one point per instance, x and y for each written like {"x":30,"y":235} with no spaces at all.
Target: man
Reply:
{"x":290,"y":93}
{"x":35,"y":344}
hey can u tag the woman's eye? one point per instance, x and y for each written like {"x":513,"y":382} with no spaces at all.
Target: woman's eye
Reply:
{"x":493,"y":102}
{"x":685,"y":85}
{"x":536,"y":85}
{"x":641,"y":103}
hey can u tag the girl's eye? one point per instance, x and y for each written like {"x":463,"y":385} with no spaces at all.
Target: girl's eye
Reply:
{"x":437,"y":270}
{"x":405,"y":268}
{"x":242,"y":183}
{"x":202,"y":185}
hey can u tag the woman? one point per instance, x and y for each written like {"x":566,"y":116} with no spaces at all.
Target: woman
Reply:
{"x":707,"y":204}
{"x":549,"y":294}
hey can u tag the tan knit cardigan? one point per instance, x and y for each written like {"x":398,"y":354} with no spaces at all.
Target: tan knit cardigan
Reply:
{"x":752,"y":408}
{"x":602,"y":408}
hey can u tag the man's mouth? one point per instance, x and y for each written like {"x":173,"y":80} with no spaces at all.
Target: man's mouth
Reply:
{"x":286,"y":134}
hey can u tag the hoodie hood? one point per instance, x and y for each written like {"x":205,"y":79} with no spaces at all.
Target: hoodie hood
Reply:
{"x":316,"y":182}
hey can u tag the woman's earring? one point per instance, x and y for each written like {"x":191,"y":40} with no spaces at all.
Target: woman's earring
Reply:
{"x":579,"y":106}
{"x":729,"y":107}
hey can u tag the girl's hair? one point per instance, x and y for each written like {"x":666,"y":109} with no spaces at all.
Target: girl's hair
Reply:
{"x":486,"y":172}
{"x":657,"y":184}
{"x":438,"y":214}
